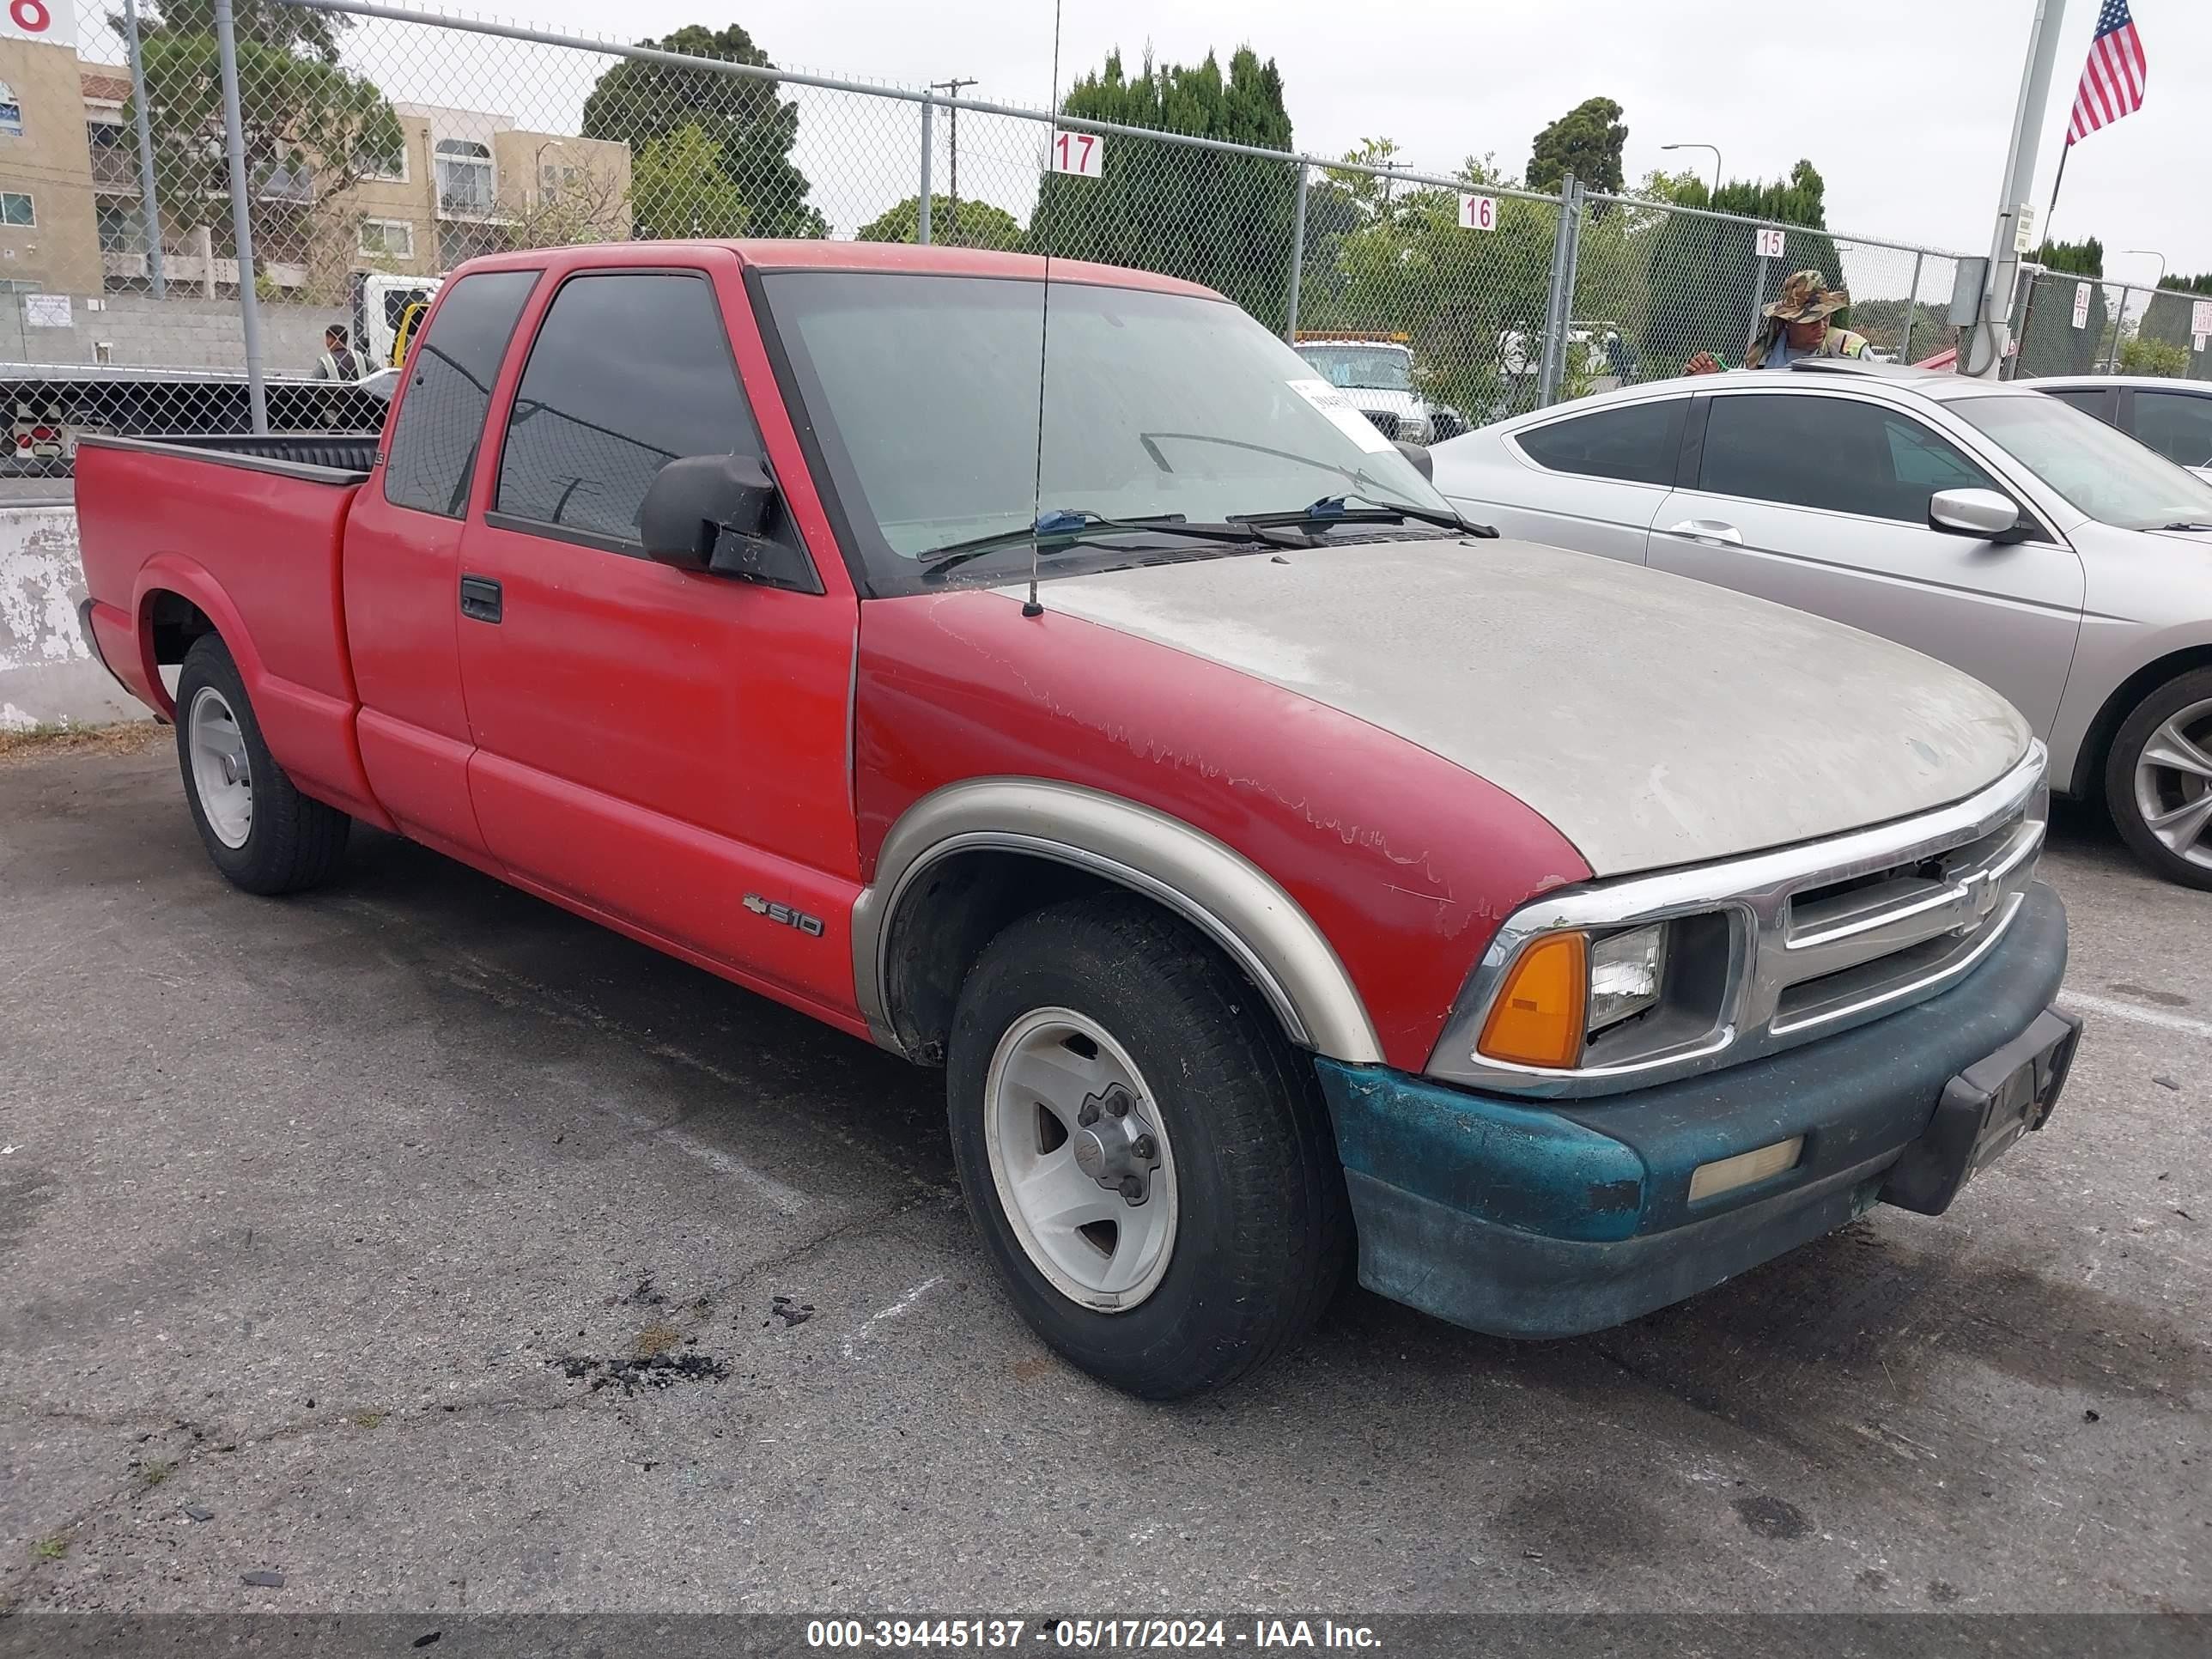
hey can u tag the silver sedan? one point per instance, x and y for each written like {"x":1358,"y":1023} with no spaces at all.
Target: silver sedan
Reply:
{"x":1986,"y":525}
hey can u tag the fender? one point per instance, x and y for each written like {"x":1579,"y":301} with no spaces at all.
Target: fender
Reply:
{"x":309,"y":731}
{"x":1213,"y":886}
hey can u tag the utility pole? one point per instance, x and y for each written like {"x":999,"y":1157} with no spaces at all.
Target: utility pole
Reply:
{"x":951,"y":89}
{"x":1983,"y":352}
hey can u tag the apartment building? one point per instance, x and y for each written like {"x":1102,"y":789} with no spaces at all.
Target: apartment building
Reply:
{"x":72,"y":218}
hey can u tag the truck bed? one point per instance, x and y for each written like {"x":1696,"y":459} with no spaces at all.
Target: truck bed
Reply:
{"x":316,"y":457}
{"x":243,"y":536}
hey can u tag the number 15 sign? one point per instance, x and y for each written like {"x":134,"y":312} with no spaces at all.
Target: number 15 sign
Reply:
{"x":1083,"y":153}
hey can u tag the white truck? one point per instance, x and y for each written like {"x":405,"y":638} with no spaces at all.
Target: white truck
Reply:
{"x":1374,"y":371}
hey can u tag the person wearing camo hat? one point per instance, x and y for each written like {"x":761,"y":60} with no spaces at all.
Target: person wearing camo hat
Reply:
{"x":1796,"y":327}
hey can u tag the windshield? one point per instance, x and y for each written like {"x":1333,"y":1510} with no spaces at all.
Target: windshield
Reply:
{"x":1377,"y":368}
{"x":2102,"y":470}
{"x":923,"y":393}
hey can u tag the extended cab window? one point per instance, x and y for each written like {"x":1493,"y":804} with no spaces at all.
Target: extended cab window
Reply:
{"x":1636,"y":445}
{"x":2176,"y":424}
{"x":631,"y":370}
{"x":434,"y":447}
{"x":1838,"y":454}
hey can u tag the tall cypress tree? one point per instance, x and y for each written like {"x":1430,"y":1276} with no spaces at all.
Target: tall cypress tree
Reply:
{"x":1217,"y":219}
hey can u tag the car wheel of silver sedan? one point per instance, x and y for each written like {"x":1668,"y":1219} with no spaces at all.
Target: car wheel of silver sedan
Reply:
{"x":2158,"y":780}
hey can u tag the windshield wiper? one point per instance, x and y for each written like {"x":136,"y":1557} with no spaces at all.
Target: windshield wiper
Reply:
{"x":2185,"y":524}
{"x":1061,"y":524}
{"x":1339,"y":510}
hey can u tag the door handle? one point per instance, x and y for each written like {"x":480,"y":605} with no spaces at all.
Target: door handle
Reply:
{"x":480,"y":598}
{"x":1707,"y":530}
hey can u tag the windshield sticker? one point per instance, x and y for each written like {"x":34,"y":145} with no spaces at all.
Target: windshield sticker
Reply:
{"x":1343,"y":414}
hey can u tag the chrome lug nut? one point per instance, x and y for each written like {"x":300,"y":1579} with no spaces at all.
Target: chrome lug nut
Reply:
{"x":1145,"y":1147}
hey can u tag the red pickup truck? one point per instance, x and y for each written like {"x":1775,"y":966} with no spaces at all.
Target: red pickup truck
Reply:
{"x":1293,"y":874}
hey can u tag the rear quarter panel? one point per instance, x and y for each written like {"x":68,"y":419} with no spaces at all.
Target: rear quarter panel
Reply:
{"x":259,"y":552}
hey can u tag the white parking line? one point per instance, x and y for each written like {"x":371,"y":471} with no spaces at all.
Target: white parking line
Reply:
{"x":2084,"y":1002}
{"x":898,"y":1308}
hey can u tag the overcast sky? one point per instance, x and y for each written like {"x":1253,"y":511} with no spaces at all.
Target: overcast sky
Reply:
{"x":1904,"y":105}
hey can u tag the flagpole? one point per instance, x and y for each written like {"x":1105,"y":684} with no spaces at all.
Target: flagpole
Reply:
{"x":2056,"y":184}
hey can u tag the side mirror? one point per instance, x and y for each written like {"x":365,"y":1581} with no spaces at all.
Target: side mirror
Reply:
{"x":711,"y":512}
{"x":1423,"y":461}
{"x":1980,"y":512}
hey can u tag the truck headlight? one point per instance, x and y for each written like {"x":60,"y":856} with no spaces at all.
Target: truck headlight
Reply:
{"x":1624,"y":972}
{"x":1565,"y":987}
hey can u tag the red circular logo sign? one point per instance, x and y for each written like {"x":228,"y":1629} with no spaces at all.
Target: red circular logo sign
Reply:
{"x":30,"y":16}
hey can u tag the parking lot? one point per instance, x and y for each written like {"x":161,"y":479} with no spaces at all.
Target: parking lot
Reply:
{"x":423,"y":1247}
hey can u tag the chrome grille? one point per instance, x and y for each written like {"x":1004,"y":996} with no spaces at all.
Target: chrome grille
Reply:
{"x":1801,"y":942}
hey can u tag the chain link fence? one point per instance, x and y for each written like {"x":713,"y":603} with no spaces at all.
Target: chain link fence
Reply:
{"x":374,"y":148}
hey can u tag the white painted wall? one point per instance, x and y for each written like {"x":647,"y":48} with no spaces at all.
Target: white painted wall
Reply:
{"x":48,"y":675}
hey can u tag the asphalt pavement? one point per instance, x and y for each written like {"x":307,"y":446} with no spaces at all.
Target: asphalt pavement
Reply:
{"x":415,"y":1245}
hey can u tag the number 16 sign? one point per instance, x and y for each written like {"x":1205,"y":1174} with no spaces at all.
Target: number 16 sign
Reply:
{"x":1083,"y":153}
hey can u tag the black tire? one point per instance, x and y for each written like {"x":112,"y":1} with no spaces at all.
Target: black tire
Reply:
{"x":292,"y":842}
{"x":1264,"y":1229}
{"x":2121,"y":797}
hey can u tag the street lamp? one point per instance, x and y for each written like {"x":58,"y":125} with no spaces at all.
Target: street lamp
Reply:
{"x":2151,"y":253}
{"x":1716,"y":166}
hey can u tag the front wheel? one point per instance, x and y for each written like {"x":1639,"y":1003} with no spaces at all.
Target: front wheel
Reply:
{"x":258,"y":828}
{"x":1147,"y":1159}
{"x":2158,"y":780}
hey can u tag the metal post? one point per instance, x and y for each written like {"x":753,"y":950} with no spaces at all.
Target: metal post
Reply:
{"x":1298,"y":256}
{"x":922,"y":212}
{"x":145,"y":149}
{"x":1559,"y":300}
{"x":2120,"y":328}
{"x":1912,"y":306}
{"x":242,"y":213}
{"x":1982,"y":352}
{"x":1758,"y":300}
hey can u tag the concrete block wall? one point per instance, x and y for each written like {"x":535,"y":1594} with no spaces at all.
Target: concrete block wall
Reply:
{"x":179,"y":332}
{"x":48,"y":675}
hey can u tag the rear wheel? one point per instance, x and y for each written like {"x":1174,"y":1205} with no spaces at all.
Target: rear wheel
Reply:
{"x":2158,"y":780}
{"x":1147,"y":1159}
{"x":258,"y":828}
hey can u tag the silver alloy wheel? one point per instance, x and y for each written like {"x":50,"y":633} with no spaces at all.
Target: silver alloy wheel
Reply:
{"x":2173,"y":783}
{"x":1080,"y":1159}
{"x":222,"y":776}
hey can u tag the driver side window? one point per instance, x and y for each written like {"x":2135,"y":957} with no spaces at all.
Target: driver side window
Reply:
{"x":1839,"y":454}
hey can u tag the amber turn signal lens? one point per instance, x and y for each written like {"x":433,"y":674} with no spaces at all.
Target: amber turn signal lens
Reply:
{"x":1537,"y":1019}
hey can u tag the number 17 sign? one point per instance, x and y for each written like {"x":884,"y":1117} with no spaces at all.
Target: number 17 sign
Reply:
{"x":1083,"y":153}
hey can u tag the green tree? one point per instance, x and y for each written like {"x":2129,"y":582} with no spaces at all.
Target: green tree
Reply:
{"x":1214,"y":218}
{"x":678,"y":188}
{"x":309,"y":128}
{"x":1586,"y":141}
{"x":1470,"y":304}
{"x":1704,"y":289}
{"x":976,"y":224}
{"x":2079,"y":258}
{"x":747,"y":124}
{"x":2146,"y":355}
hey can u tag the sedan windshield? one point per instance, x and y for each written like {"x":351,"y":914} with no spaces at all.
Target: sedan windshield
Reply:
{"x":924,"y":394}
{"x":2102,"y":470}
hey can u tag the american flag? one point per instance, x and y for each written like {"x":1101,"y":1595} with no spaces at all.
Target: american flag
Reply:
{"x":2112,"y":80}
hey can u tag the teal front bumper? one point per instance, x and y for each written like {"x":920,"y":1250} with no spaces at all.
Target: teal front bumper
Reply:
{"x":1546,"y":1220}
